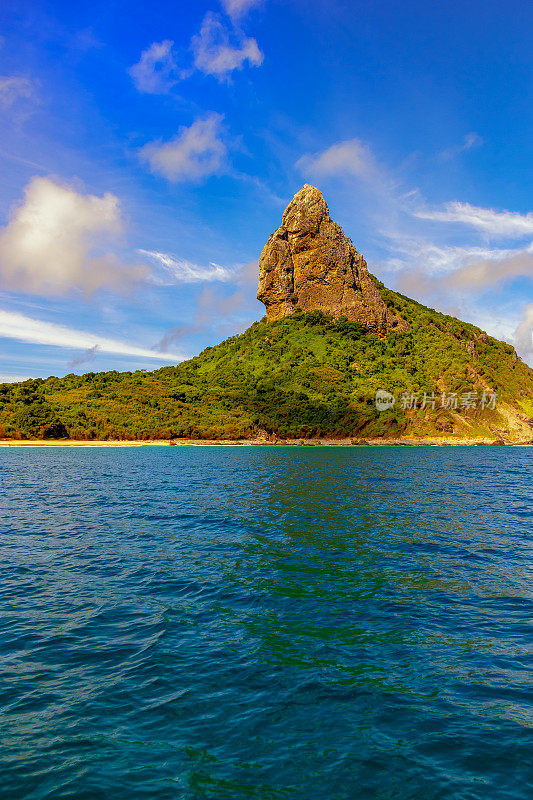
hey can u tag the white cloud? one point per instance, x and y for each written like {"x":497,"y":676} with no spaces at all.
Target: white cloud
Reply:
{"x":523,"y":335}
{"x":470,"y":141}
{"x":53,"y":242}
{"x":14,"y":378}
{"x":237,"y":8}
{"x":13,"y":88}
{"x":503,"y":224}
{"x":34,"y":331}
{"x":155,"y":72}
{"x":217,"y":314}
{"x":182,"y":271}
{"x":351,"y":158}
{"x":193,"y":155}
{"x":83,"y":358}
{"x":411,"y":253}
{"x":434,"y":270}
{"x":214,"y":52}
{"x":494,"y":269}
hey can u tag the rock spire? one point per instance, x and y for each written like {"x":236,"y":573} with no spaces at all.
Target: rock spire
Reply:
{"x":309,"y":263}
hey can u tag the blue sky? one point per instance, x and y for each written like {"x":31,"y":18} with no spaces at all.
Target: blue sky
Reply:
{"x":147,"y":152}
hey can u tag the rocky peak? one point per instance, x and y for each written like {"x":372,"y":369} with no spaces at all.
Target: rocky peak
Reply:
{"x":309,"y":263}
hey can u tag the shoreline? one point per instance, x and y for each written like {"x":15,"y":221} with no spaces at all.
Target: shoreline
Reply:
{"x":324,"y":442}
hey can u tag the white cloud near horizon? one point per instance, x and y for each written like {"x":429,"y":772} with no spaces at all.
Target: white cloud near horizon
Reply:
{"x":34,"y":331}
{"x":194,"y":154}
{"x":155,"y":72}
{"x":219,"y":51}
{"x":351,"y":158}
{"x":504,"y":224}
{"x":14,"y":378}
{"x":56,"y":241}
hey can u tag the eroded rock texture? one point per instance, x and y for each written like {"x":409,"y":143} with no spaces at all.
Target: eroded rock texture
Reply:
{"x":310,"y":263}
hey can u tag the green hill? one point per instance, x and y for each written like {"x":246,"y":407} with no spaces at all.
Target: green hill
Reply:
{"x":306,"y":375}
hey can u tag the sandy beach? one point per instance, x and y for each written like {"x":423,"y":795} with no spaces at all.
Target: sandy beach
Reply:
{"x":406,"y":441}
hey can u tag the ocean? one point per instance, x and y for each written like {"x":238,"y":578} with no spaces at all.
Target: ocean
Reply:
{"x":266,"y":622}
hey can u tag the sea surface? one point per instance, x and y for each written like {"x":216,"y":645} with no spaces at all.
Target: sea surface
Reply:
{"x":266,"y":622}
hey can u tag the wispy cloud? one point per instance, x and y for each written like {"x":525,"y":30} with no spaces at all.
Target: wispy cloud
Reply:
{"x":179,"y":270}
{"x":351,"y":158}
{"x":15,"y":87}
{"x":504,"y":224}
{"x":217,"y":314}
{"x":84,"y":358}
{"x":219,"y":51}
{"x":196,"y":153}
{"x":35,"y":331}
{"x":156,"y":70}
{"x":470,"y":141}
{"x":414,"y":253}
{"x":238,"y":8}
{"x":55,"y":242}
{"x":428,"y":268}
{"x":491,"y":271}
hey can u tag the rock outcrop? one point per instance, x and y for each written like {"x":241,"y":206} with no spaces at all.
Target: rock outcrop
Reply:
{"x":308,"y":263}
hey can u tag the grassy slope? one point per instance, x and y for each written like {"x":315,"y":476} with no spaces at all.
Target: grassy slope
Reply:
{"x":302,"y":376}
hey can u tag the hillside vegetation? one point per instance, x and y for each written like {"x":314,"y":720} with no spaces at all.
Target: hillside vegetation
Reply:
{"x":303,"y":376}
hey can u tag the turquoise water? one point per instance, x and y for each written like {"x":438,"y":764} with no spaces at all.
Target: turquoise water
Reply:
{"x":311,"y":623}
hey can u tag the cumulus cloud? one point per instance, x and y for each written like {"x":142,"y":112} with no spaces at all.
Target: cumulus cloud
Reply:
{"x":55,"y":242}
{"x":471,"y":140}
{"x":13,"y":88}
{"x":155,"y":72}
{"x":237,"y":8}
{"x":351,"y":158}
{"x":504,"y":224}
{"x":193,"y":155}
{"x":217,"y":51}
{"x":35,"y":331}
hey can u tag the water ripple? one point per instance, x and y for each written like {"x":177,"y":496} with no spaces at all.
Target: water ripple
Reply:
{"x":266,"y":623}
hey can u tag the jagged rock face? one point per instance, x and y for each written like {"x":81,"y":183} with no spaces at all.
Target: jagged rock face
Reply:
{"x":310,"y":263}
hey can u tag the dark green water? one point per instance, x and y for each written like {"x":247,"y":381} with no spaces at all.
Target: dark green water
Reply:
{"x":311,"y":623}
